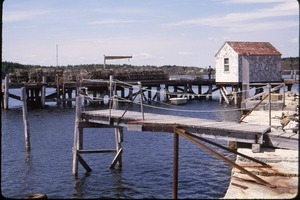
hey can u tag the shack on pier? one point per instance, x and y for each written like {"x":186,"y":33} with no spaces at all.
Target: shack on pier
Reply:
{"x":237,"y":62}
{"x":243,"y":65}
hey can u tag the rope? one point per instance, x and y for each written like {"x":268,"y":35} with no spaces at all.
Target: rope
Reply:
{"x":120,"y":99}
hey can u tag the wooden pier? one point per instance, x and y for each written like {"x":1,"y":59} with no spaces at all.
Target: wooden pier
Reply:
{"x":193,"y":129}
{"x":66,"y":92}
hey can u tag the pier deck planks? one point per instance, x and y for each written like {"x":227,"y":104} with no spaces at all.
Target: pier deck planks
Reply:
{"x":133,"y":121}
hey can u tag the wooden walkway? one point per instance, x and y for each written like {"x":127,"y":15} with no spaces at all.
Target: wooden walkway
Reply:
{"x":133,"y":121}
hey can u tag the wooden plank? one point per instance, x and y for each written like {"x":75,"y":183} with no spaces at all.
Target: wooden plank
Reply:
{"x":280,"y":142}
{"x":287,"y":135}
{"x":275,"y":133}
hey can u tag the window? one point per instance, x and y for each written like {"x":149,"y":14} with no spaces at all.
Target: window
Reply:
{"x":226,"y":64}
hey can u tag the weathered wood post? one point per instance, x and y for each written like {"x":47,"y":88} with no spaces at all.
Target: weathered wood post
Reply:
{"x":64,"y":95}
{"x":166,"y":90}
{"x":43,"y":92}
{"x":210,"y":91}
{"x":269,"y":86}
{"x":58,"y":102}
{"x":158,"y":93}
{"x":141,"y":98}
{"x":6,"y":92}
{"x":245,"y":77}
{"x":175,"y":165}
{"x":283,"y":98}
{"x":149,"y":88}
{"x":76,"y":144}
{"x":70,"y":90}
{"x":235,"y":95}
{"x":25,"y":118}
{"x":112,"y":92}
{"x":119,"y":150}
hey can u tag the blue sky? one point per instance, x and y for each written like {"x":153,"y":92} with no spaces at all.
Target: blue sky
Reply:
{"x":154,"y":32}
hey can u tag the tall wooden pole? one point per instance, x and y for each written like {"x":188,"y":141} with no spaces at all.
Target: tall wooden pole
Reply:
{"x":4,"y":106}
{"x":25,"y":118}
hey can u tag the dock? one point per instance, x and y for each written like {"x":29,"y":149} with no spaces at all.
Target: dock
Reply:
{"x":196,"y":130}
{"x":64,"y":92}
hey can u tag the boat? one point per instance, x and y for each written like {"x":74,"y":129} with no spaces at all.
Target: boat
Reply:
{"x":178,"y":100}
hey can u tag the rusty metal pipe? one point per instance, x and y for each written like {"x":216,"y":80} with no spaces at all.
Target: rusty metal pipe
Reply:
{"x":182,"y":132}
{"x":227,"y":149}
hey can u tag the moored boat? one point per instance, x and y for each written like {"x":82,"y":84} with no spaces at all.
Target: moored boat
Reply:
{"x":178,"y":100}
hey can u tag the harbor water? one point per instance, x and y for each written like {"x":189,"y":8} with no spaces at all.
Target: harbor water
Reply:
{"x":147,"y":156}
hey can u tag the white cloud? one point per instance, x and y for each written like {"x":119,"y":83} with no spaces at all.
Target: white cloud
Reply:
{"x":253,"y":1}
{"x":14,"y":16}
{"x":233,"y":20}
{"x":142,"y":56}
{"x":184,"y":53}
{"x":267,"y":26}
{"x":113,"y":22}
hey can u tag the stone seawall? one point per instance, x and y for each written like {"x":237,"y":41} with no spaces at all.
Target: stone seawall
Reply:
{"x":284,"y":163}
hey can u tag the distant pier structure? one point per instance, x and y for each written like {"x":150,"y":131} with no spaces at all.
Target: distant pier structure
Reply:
{"x":63,"y":93}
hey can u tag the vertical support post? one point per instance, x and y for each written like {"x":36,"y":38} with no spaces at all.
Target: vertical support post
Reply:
{"x":6,"y":91}
{"x":269,"y":86}
{"x":64,"y":94}
{"x":111,"y":79}
{"x":70,"y":97}
{"x":166,"y":97}
{"x":57,"y":90}
{"x":199,"y":91}
{"x":110,"y":96}
{"x":115,"y":97}
{"x":235,"y":96}
{"x":130,"y":93}
{"x":149,"y":94}
{"x":245,"y":77}
{"x":283,"y":98}
{"x":158,"y":93}
{"x":119,"y":140}
{"x":175,"y":89}
{"x":175,"y":166}
{"x":25,"y":118}
{"x":210,"y":91}
{"x":76,"y":145}
{"x":122,"y":92}
{"x":185,"y":90}
{"x":141,"y":98}
{"x":43,"y":92}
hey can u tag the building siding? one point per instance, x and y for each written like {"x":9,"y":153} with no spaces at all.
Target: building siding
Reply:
{"x":262,"y":68}
{"x":233,"y":74}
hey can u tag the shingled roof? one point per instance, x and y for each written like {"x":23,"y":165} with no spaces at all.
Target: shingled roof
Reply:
{"x":253,"y":48}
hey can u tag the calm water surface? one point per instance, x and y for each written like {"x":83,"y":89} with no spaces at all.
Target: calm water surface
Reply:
{"x":147,"y":157}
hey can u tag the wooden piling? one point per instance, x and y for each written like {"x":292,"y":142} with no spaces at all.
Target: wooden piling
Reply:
{"x":175,"y":165}
{"x":6,"y":92}
{"x":43,"y":92}
{"x":158,"y":93}
{"x":141,"y":98}
{"x":119,"y":140}
{"x":76,"y":145}
{"x":210,"y":91}
{"x":25,"y":118}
